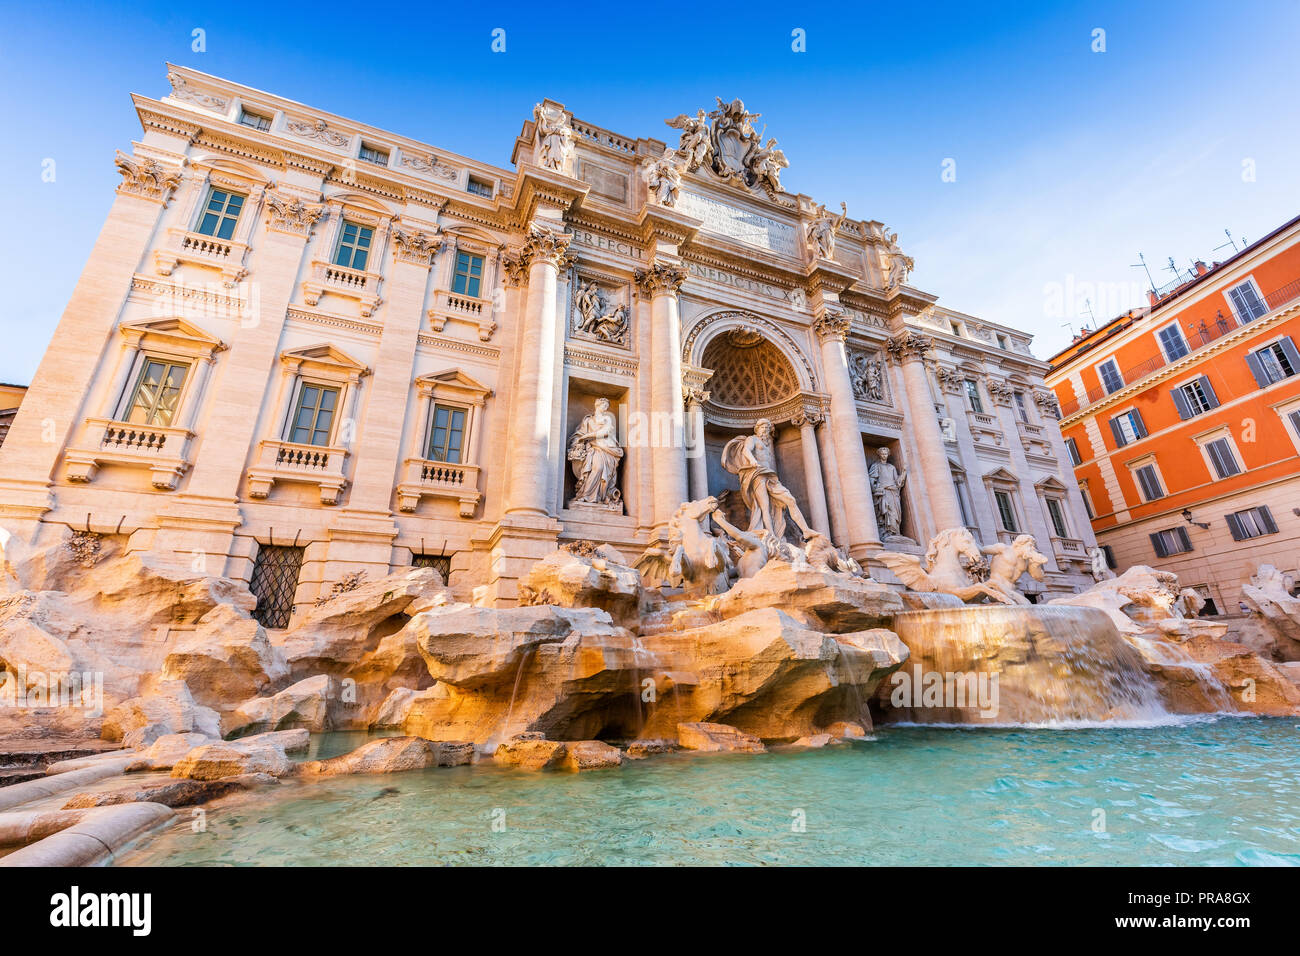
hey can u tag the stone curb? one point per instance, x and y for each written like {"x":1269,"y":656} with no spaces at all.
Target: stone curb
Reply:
{"x":22,"y":793}
{"x":99,"y":833}
{"x":28,"y":826}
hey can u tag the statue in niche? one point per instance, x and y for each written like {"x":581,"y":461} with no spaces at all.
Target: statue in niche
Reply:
{"x":598,"y":317}
{"x":753,"y":459}
{"x":664,"y":178}
{"x":821,"y":231}
{"x":554,"y":148}
{"x":887,"y":490}
{"x":594,"y":454}
{"x":897,"y":265}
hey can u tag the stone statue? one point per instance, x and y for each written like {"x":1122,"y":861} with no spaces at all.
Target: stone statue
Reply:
{"x":766,"y":164}
{"x":554,"y":149}
{"x":1155,"y":593}
{"x":597,"y":316}
{"x":734,"y":140}
{"x":595,"y":454}
{"x":753,"y":459}
{"x":695,"y":147}
{"x":1009,"y":562}
{"x":946,"y":568}
{"x":887,"y":490}
{"x":821,"y":231}
{"x":897,"y":265}
{"x":696,"y":559}
{"x":664,"y":178}
{"x":1100,"y":569}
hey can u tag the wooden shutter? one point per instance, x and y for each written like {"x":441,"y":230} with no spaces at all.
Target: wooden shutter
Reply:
{"x":1266,"y":519}
{"x":1139,"y":426}
{"x":1118,"y":432}
{"x":1184,"y":540}
{"x":1180,"y":403}
{"x":1257,"y":369}
{"x":1209,"y":392}
{"x":1234,"y":525}
{"x":1288,"y":348}
{"x":1158,"y":542}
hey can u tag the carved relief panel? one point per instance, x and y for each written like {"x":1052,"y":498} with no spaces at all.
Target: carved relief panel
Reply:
{"x":867,"y":372}
{"x":600,"y":309}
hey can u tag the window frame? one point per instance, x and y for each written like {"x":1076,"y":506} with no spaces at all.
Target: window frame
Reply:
{"x":1136,"y":423}
{"x":374,"y":153}
{"x":1224,"y":434}
{"x":354,"y":245}
{"x":246,"y":112}
{"x":1182,"y":338}
{"x":1188,"y":407}
{"x":1234,"y":522}
{"x":1135,"y":467}
{"x":1289,"y":412}
{"x":974,"y":400}
{"x":1180,"y":533}
{"x":1119,"y":375}
{"x":297,"y":407}
{"x":486,"y":189}
{"x":1072,"y":450}
{"x":1056,"y":516}
{"x":452,"y":409}
{"x":1010,"y":496}
{"x":468,"y":275}
{"x":1289,"y":354}
{"x":223,"y":217}
{"x":128,"y":402}
{"x":1259,"y":297}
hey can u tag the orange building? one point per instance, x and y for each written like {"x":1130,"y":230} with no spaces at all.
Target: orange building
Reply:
{"x":1183,"y":422}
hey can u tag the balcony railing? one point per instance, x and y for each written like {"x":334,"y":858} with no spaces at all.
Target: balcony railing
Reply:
{"x":438,"y":479}
{"x":326,"y":277}
{"x":223,"y":254}
{"x":163,"y":450}
{"x":466,"y":308}
{"x":1198,"y":337}
{"x":318,"y":465}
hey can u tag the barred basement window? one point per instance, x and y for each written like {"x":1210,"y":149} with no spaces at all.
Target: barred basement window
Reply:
{"x":274,"y":582}
{"x":439,"y":562}
{"x":1251,"y":523}
{"x":1171,"y":541}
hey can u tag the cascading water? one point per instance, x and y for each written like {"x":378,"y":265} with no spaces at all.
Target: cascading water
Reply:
{"x":995,"y":664}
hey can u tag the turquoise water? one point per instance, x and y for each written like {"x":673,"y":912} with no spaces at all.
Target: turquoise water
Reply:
{"x":1216,"y":792}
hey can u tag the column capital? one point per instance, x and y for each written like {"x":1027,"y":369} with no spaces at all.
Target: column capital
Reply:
{"x":809,"y":416}
{"x":1000,"y":390}
{"x":415,"y":245}
{"x":694,"y":397}
{"x":546,"y":245}
{"x":660,"y":278}
{"x":147,"y":178}
{"x":909,"y":344}
{"x":832,"y":324}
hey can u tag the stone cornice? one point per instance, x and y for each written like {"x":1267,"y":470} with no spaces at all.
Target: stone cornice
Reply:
{"x":905,"y":301}
{"x":666,"y":223}
{"x":826,"y":276}
{"x":536,"y":187}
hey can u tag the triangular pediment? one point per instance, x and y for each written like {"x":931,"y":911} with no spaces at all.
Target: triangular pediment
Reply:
{"x":1050,"y":483}
{"x":1001,"y":474}
{"x":174,"y":328}
{"x":454,"y":381}
{"x":323,"y":354}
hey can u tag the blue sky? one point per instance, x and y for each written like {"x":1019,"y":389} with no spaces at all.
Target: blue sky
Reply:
{"x":1068,"y":162}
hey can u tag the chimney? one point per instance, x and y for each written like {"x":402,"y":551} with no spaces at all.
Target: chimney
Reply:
{"x":1152,"y":297}
{"x":1201,"y":268}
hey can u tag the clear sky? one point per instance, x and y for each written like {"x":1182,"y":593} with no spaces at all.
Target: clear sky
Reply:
{"x":1068,"y":162}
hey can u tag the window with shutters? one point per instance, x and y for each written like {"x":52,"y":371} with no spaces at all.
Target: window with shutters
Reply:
{"x":1006,"y":511}
{"x":1195,"y":398}
{"x":1251,"y":523}
{"x":1171,"y":541}
{"x":1148,"y":481}
{"x":1220,"y":455}
{"x":1246,"y":301}
{"x":1128,"y":427}
{"x":1086,"y":494}
{"x":1274,"y":362}
{"x":1290,"y":413}
{"x":1108,"y":372}
{"x":1072,"y":448}
{"x":1172,"y":342}
{"x":274,"y":583}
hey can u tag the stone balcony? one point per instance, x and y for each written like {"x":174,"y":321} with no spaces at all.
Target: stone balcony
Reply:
{"x":438,"y":479}
{"x":223,"y":254}
{"x":340,"y":280}
{"x":466,"y":308}
{"x":163,"y":450}
{"x":318,"y":465}
{"x":1071,"y":548}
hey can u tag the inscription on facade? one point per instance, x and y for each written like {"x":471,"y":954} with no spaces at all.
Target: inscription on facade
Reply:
{"x":735,"y":281}
{"x":740,"y":224}
{"x":616,"y":246}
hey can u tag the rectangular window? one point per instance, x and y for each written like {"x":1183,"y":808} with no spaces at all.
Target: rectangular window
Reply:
{"x":1171,"y":541}
{"x":370,"y":154}
{"x":1149,"y":483}
{"x":220,"y":213}
{"x":1006,"y":511}
{"x":314,"y":415}
{"x":973,"y":396}
{"x":157,"y":391}
{"x":447,"y":434}
{"x":479,"y":187}
{"x":354,"y":245}
{"x":1055,"y":512}
{"x":1022,"y":409}
{"x":1002,"y":341}
{"x":1111,"y":380}
{"x":963,"y":502}
{"x":1274,"y":362}
{"x":1251,"y":523}
{"x":1246,"y":302}
{"x":1172,"y":342}
{"x":255,"y":120}
{"x":1087,"y":503}
{"x":1294,"y":418}
{"x":469,"y":274}
{"x":956,"y":329}
{"x":1222,"y":458}
{"x":1072,"y":449}
{"x":1195,"y":398}
{"x":1128,"y":427}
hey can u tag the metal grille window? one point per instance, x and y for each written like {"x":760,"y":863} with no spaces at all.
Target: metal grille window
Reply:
{"x":1149,"y":482}
{"x":1006,"y":511}
{"x":1057,"y":515}
{"x":220,"y":214}
{"x":1171,"y":541}
{"x":354,"y":246}
{"x":275,"y":579}
{"x":439,"y":562}
{"x":1246,"y":302}
{"x":1222,"y":458}
{"x":314,"y":415}
{"x":469,"y":274}
{"x":1251,"y":523}
{"x":156,"y":393}
{"x":447,"y":434}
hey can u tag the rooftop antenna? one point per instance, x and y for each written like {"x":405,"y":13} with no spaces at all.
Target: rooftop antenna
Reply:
{"x":1231,"y":242}
{"x":1178,"y":273}
{"x":1088,"y":305}
{"x":1142,"y":264}
{"x":1070,"y":326}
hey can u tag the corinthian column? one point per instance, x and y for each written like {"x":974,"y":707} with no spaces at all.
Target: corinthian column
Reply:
{"x":807,"y":422}
{"x":909,"y":349}
{"x":661,"y":282}
{"x":535,"y":402}
{"x":855,"y":488}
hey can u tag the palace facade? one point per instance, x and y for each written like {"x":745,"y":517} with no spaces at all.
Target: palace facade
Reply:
{"x":304,"y":347}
